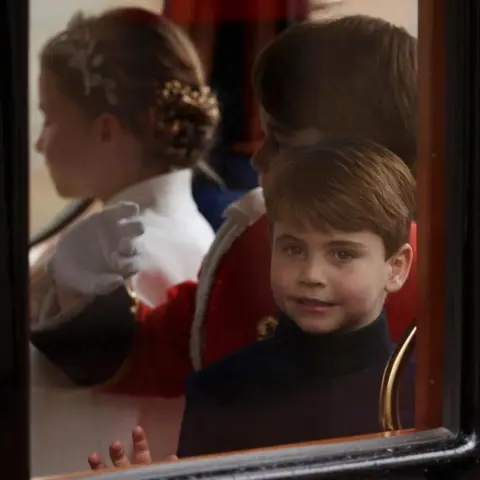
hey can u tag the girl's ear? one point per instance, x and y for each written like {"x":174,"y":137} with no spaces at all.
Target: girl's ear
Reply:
{"x":108,"y":128}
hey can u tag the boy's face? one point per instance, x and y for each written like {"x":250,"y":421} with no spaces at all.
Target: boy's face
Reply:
{"x":327,"y":281}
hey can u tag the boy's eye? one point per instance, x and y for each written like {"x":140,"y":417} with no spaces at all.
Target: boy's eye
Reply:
{"x":294,"y":250}
{"x":343,"y":255}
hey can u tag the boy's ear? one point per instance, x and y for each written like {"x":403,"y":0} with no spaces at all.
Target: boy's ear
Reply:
{"x":399,"y":268}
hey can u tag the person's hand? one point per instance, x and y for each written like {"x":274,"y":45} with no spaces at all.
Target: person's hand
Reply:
{"x":141,"y":453}
{"x":99,"y":252}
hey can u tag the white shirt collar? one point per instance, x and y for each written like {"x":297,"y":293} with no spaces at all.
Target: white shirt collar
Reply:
{"x":164,"y":193}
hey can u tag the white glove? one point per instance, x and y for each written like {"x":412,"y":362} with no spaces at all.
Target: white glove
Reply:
{"x":98,"y":253}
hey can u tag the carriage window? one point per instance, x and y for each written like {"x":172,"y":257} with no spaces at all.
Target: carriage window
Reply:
{"x":264,"y":154}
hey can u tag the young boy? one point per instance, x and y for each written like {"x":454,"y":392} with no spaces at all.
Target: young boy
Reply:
{"x":339,"y":215}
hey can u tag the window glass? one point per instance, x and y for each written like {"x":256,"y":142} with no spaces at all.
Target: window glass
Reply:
{"x":317,"y":361}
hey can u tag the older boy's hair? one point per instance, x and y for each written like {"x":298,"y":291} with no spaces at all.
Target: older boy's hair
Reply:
{"x":355,"y":75}
{"x":349,"y":184}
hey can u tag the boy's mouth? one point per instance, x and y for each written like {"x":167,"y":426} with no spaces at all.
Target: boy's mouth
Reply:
{"x":313,"y":304}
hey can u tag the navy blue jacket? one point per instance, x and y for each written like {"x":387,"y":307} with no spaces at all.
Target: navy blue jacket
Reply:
{"x":293,"y":387}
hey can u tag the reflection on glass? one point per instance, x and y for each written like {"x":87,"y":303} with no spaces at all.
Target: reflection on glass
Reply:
{"x":308,"y":284}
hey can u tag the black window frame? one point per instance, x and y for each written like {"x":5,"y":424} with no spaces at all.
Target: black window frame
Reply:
{"x":446,"y":452}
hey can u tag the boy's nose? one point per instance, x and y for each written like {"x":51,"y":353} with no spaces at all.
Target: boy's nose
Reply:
{"x":313,"y":273}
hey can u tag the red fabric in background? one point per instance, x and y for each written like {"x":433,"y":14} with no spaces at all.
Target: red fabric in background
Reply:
{"x":205,"y":11}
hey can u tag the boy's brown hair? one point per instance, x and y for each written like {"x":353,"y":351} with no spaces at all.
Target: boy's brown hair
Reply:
{"x":142,"y":68}
{"x":349,"y":184}
{"x":354,"y":75}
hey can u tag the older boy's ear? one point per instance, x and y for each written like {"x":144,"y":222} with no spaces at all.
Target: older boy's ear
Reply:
{"x":399,"y":268}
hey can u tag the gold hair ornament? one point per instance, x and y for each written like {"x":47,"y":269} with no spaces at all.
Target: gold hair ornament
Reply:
{"x":170,"y":98}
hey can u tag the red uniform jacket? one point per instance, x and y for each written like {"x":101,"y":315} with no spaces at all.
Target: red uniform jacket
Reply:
{"x":228,"y":308}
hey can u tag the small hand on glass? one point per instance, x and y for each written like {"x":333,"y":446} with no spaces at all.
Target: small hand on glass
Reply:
{"x":141,"y":453}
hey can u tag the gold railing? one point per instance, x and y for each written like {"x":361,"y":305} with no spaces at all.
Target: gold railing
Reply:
{"x":392,"y":379}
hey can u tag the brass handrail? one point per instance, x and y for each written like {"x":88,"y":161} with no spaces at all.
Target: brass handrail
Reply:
{"x":389,"y":414}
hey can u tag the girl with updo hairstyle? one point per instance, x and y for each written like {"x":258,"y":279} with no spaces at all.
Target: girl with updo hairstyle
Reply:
{"x":127,"y":118}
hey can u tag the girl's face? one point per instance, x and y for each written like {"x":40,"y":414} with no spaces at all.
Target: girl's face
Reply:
{"x":83,"y":155}
{"x":277,"y":139}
